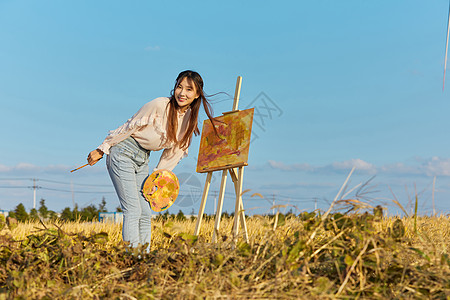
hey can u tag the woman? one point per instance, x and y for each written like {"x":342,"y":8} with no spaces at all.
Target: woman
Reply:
{"x":163,"y":123}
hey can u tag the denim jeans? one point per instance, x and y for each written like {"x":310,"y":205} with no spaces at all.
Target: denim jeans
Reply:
{"x":127,"y":165}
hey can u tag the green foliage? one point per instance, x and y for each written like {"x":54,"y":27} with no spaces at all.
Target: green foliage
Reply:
{"x":281,"y":220}
{"x":164,"y":216}
{"x":102,"y":206}
{"x":2,"y":221}
{"x":346,"y":258}
{"x":43,"y":210}
{"x":20,"y":213}
{"x":89,"y":213}
{"x":52,"y":216}
{"x":341,"y":255}
{"x":67,"y":214}
{"x":12,"y":214}
{"x":11,"y":222}
{"x":34,"y":216}
{"x":398,"y":229}
{"x":180,"y":216}
{"x":378,"y":213}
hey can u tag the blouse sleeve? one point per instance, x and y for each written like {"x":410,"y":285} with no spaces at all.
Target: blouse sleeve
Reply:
{"x":170,"y":158}
{"x":149,"y":113}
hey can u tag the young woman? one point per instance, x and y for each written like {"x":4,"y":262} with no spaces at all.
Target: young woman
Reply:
{"x":163,"y":123}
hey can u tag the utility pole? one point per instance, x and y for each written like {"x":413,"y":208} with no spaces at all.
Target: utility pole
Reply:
{"x":315,"y":204}
{"x":34,"y":187}
{"x":73,"y":194}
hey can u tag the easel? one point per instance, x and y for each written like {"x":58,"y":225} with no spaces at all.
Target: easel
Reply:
{"x":237,"y":175}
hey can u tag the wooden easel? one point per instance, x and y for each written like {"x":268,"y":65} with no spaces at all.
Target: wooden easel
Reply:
{"x":237,"y":175}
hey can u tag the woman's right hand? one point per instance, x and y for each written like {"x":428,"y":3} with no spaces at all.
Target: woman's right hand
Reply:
{"x":94,"y":157}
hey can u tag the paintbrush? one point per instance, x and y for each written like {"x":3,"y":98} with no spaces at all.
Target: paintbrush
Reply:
{"x":79,"y":168}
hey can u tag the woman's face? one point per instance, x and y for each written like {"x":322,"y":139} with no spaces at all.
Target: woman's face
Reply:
{"x":185,"y":93}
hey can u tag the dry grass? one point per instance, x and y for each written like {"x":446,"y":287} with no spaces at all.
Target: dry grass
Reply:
{"x":346,"y":256}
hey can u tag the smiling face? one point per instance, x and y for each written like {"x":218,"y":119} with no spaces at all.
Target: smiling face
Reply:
{"x":185,"y":93}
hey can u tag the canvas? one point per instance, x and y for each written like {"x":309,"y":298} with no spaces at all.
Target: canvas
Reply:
{"x":231,"y":149}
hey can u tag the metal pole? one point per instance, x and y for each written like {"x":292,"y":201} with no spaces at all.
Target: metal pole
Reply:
{"x":34,"y":193}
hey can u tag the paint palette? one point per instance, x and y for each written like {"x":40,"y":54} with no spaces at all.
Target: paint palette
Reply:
{"x":167,"y":187}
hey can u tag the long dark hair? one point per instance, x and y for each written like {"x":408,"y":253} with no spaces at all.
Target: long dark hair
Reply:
{"x":193,"y":78}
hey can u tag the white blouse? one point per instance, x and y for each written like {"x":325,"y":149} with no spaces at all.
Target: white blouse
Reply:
{"x":149,"y":128}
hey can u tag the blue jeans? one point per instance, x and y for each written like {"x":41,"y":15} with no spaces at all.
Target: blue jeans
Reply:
{"x":127,"y":165}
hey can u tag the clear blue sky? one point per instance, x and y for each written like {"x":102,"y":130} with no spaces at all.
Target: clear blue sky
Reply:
{"x":350,"y":83}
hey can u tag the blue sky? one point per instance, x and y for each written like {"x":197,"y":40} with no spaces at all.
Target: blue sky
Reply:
{"x":350,"y":83}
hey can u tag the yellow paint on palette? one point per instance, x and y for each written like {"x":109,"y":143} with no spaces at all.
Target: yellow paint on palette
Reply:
{"x":230,"y":148}
{"x":167,"y":188}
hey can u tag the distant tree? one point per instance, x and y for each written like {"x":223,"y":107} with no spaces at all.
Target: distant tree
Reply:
{"x":165,"y":215}
{"x":290,"y":214}
{"x":11,"y":222}
{"x":102,"y":206}
{"x":12,"y":214}
{"x":119,"y":209}
{"x":34,"y":214}
{"x":21,"y":213}
{"x":2,"y":221}
{"x":52,"y":215}
{"x":76,"y":213}
{"x":67,"y":214}
{"x":43,"y":210}
{"x":180,"y":216}
{"x":88,"y":213}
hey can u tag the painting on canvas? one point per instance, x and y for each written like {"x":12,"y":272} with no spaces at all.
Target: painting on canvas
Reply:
{"x":230,"y":147}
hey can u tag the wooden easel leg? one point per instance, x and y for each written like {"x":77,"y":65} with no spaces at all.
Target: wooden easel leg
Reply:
{"x":239,"y":214}
{"x":203,"y":203}
{"x":243,"y":222}
{"x":219,"y":205}
{"x":234,"y":176}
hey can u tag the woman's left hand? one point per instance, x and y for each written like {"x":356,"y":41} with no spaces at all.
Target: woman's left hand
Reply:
{"x":153,"y":190}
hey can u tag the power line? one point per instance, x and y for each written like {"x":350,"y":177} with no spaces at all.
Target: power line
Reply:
{"x":16,"y":178}
{"x":80,"y":184}
{"x":58,"y":182}
{"x":57,"y":190}
{"x":77,"y":192}
{"x":14,"y":187}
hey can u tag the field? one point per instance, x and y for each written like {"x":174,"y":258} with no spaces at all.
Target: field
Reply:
{"x":347,"y":255}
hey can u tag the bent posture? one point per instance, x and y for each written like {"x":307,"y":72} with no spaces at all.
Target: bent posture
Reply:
{"x":162,"y":124}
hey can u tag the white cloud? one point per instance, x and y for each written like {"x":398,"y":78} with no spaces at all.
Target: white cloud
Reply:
{"x":152,"y":48}
{"x":27,"y":167}
{"x":400,"y":168}
{"x":296,"y":185}
{"x":293,"y":167}
{"x":4,"y":168}
{"x":436,"y":166}
{"x":336,"y":167}
{"x":359,"y":164}
{"x":23,"y":168}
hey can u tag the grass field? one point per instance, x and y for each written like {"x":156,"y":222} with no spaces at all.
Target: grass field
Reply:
{"x":351,"y":256}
